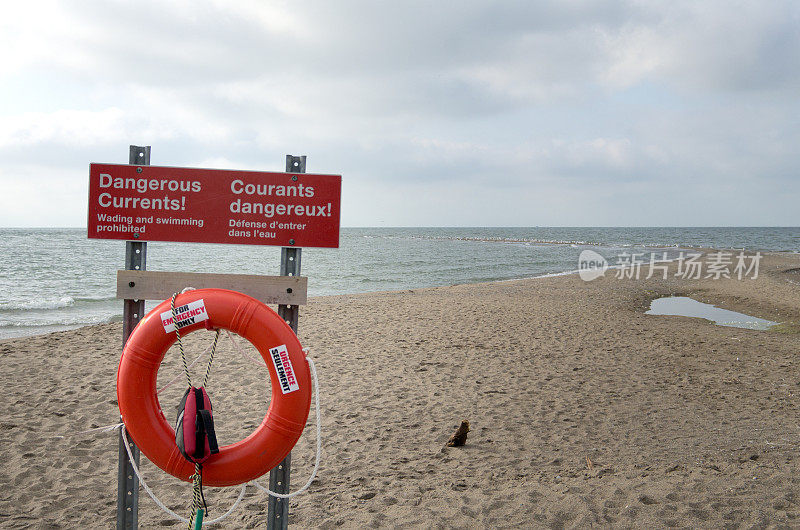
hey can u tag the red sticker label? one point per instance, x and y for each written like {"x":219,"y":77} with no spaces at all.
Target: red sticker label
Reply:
{"x":284,"y":368}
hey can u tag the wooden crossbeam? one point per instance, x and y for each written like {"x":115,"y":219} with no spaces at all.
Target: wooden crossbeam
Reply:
{"x":156,"y":285}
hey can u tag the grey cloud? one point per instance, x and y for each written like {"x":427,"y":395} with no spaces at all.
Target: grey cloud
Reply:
{"x":598,"y":102}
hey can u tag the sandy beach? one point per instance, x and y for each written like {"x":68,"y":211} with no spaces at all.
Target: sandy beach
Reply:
{"x":584,"y":411}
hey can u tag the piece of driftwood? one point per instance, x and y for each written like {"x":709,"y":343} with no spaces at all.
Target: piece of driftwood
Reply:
{"x":459,"y":437}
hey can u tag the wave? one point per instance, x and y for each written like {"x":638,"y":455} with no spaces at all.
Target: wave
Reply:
{"x":49,"y":304}
{"x":73,"y":320}
{"x":573,"y":243}
{"x":32,"y":304}
{"x":487,"y":239}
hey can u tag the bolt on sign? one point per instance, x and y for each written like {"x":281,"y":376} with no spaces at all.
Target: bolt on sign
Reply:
{"x":154,"y":203}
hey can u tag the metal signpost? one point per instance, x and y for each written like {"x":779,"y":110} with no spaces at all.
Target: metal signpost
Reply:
{"x":143,"y":202}
{"x":278,"y":509}
{"x":132,"y":313}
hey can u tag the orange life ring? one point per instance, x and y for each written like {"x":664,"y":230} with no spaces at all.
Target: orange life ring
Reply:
{"x":291,"y":391}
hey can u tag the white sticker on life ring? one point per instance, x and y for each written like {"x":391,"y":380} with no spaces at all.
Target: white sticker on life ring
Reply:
{"x":187,"y":315}
{"x":283,"y":366}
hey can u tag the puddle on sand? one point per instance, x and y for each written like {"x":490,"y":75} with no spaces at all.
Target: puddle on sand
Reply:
{"x":687,"y":307}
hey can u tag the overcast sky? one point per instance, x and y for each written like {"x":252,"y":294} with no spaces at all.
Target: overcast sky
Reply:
{"x":461,"y":113}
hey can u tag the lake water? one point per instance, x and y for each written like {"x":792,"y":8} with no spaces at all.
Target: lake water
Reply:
{"x":53,"y":279}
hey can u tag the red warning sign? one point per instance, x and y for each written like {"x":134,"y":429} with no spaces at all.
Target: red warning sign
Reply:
{"x":154,"y":203}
